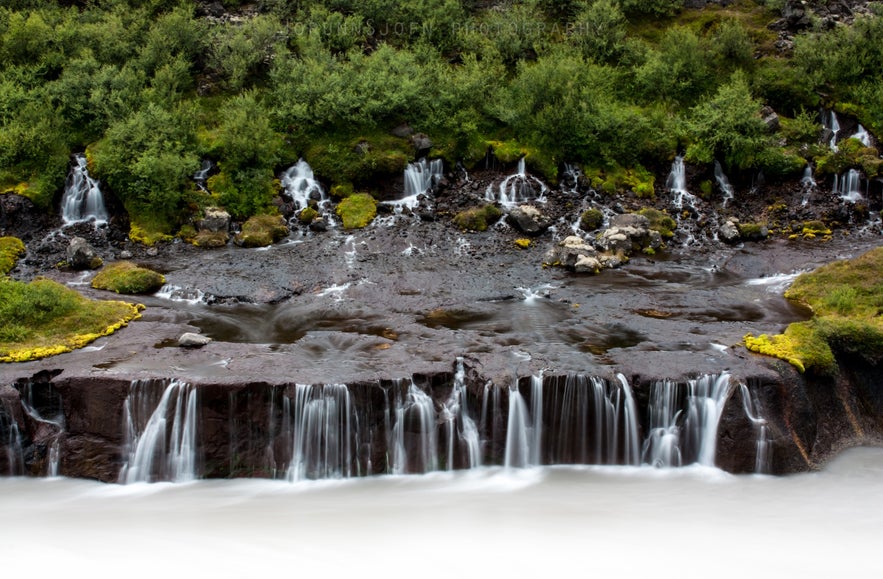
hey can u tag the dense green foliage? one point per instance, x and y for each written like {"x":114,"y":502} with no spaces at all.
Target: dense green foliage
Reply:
{"x":10,"y":250}
{"x":124,"y":277}
{"x":151,"y":88}
{"x":847,"y":300}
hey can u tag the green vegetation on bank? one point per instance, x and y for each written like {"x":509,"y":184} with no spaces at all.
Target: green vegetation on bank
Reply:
{"x":10,"y":250}
{"x":124,"y":277}
{"x":847,"y":301}
{"x":44,"y":318}
{"x":148,"y":89}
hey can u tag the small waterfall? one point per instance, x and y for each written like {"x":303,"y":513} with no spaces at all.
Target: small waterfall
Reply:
{"x":862,"y":135}
{"x":683,"y":421}
{"x":12,"y":461}
{"x":82,"y":199}
{"x":724,"y":183}
{"x":421,"y":176}
{"x":201,"y":176}
{"x":518,"y":188}
{"x":848,"y":186}
{"x":301,"y":186}
{"x":750,"y":405}
{"x":461,"y":433}
{"x":677,"y":183}
{"x":323,"y":426}
{"x":808,"y":184}
{"x":831,"y":124}
{"x":570,"y":178}
{"x":411,"y":435}
{"x":161,"y":435}
{"x":37,"y":404}
{"x":519,"y":432}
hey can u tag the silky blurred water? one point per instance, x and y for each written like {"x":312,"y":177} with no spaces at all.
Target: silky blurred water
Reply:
{"x":543,"y":522}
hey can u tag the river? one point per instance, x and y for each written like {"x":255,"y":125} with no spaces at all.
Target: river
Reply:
{"x":550,"y":522}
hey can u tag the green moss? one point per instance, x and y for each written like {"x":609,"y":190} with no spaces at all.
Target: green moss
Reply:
{"x":477,"y":218}
{"x":124,"y":277}
{"x":44,"y":318}
{"x":536,"y":160}
{"x":187,"y":232}
{"x":847,"y":299}
{"x":591,"y":219}
{"x":11,"y":248}
{"x":357,"y":210}
{"x":307,"y":215}
{"x":850,"y":154}
{"x":211,"y":239}
{"x":660,"y":221}
{"x":359,"y":160}
{"x":342,"y":190}
{"x":148,"y":233}
{"x":706,"y":188}
{"x":753,"y":231}
{"x":814,"y":228}
{"x":637,"y":179}
{"x":261,"y":231}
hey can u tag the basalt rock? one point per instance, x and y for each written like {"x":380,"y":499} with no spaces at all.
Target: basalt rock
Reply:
{"x":529,"y":220}
{"x":81,"y":255}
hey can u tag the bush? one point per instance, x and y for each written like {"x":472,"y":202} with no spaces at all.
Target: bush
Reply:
{"x":124,"y":277}
{"x":357,"y":210}
{"x":11,"y":248}
{"x":477,"y":218}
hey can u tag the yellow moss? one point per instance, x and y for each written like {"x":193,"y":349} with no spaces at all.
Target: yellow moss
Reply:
{"x":144,"y":236}
{"x":777,"y":346}
{"x":522,"y":243}
{"x":11,"y":248}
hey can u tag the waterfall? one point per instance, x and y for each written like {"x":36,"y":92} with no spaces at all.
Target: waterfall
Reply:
{"x":421,"y":176}
{"x":723,"y":183}
{"x":683,"y":421}
{"x":12,"y":462}
{"x":323,"y":426}
{"x":518,"y":188}
{"x":832,"y":126}
{"x":161,"y":435}
{"x":862,"y":135}
{"x":677,"y":183}
{"x":301,"y":186}
{"x":411,"y":427}
{"x":37,"y":404}
{"x":461,"y":433}
{"x":849,"y":186}
{"x":519,"y":432}
{"x":750,"y":405}
{"x":201,"y":176}
{"x":82,"y":199}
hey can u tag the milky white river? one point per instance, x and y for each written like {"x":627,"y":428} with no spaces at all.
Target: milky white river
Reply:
{"x":541,"y":522}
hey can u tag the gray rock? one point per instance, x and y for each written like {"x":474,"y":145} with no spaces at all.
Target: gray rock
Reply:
{"x":529,"y":220}
{"x":570,"y":250}
{"x":215,"y":220}
{"x":728,"y":232}
{"x":421,"y":142}
{"x":81,"y":255}
{"x":630,"y":220}
{"x":586,"y":264}
{"x":125,"y":254}
{"x":192,"y":340}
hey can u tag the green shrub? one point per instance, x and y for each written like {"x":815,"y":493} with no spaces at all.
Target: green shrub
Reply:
{"x":477,"y":218}
{"x":357,"y":210}
{"x":11,"y":248}
{"x":124,"y":277}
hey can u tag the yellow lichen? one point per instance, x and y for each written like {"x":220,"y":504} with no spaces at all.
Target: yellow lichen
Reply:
{"x":522,"y":243}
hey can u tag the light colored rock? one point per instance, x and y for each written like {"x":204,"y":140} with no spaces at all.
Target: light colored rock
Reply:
{"x":80,"y":255}
{"x":728,"y":232}
{"x":586,"y":264}
{"x":215,"y":219}
{"x":192,"y":340}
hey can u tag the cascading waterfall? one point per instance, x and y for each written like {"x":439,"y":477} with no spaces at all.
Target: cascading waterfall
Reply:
{"x":420,"y":177}
{"x":808,"y":183}
{"x":411,"y":431}
{"x":201,"y":176}
{"x":750,"y":405}
{"x":161,"y":435}
{"x":831,"y":124}
{"x":848,"y":186}
{"x":518,"y":188}
{"x":12,"y":462}
{"x":862,"y":135}
{"x":677,"y":183}
{"x":36,"y":404}
{"x":324,"y":428}
{"x":82,"y":199}
{"x":683,"y":421}
{"x":301,"y":186}
{"x":724,"y":183}
{"x":461,"y":433}
{"x":519,"y":433}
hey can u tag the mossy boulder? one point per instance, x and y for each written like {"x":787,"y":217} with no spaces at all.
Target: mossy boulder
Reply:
{"x":11,"y":248}
{"x":124,"y":277}
{"x":307,"y":215}
{"x":591,"y":219}
{"x":211,"y":239}
{"x":477,"y":218}
{"x":660,"y":221}
{"x":357,"y":210}
{"x":261,"y":231}
{"x":753,"y":231}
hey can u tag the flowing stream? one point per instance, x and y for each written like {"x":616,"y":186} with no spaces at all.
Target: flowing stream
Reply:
{"x":607,"y":521}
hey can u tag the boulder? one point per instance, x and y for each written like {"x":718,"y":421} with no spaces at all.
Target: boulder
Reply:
{"x":215,"y":220}
{"x":570,"y":250}
{"x":729,"y":232}
{"x":586,"y":264}
{"x":193,"y":340}
{"x":529,"y":220}
{"x":81,"y":255}
{"x":421,"y":143}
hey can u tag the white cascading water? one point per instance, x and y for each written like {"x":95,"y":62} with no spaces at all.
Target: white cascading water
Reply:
{"x":832,"y":124}
{"x":82,"y":199}
{"x":201,"y":176}
{"x":161,"y":435}
{"x":518,"y":188}
{"x":862,"y":135}
{"x":323,"y":426}
{"x":301,"y":186}
{"x":685,"y":432}
{"x":461,"y":433}
{"x":677,"y":183}
{"x":724,"y":183}
{"x":848,"y":186}
{"x":419,"y":178}
{"x":762,"y":456}
{"x":808,"y":184}
{"x":12,"y":462}
{"x":411,"y":431}
{"x":519,"y":432}
{"x":56,"y":423}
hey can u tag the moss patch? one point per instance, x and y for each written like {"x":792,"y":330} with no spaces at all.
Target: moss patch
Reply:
{"x":44,"y":318}
{"x":124,"y":277}
{"x":11,"y":248}
{"x":477,"y":218}
{"x":591,"y":219}
{"x":660,"y":221}
{"x":357,"y":210}
{"x":261,"y":231}
{"x":522,"y":243}
{"x":847,"y":299}
{"x":211,"y":239}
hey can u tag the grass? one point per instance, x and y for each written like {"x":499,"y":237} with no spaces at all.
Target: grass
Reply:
{"x":846,"y":298}
{"x":124,"y":277}
{"x":10,"y":250}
